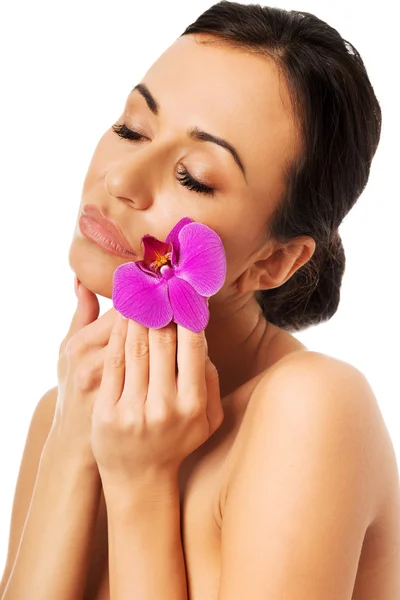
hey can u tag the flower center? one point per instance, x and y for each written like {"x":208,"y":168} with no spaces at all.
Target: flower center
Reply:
{"x":167,"y":272}
{"x":161,"y":260}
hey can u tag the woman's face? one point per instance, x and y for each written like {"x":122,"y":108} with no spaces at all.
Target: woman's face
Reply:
{"x":233,"y":96}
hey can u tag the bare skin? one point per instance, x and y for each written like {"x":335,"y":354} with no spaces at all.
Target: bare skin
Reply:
{"x":134,"y":183}
{"x":205,"y":476}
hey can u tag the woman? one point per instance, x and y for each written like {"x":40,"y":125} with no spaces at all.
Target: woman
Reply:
{"x":293,"y":490}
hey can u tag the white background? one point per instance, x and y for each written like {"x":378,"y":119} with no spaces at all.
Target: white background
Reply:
{"x":66,"y":70}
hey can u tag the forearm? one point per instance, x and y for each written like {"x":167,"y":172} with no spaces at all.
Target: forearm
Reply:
{"x":54,"y":551}
{"x":146,"y":559}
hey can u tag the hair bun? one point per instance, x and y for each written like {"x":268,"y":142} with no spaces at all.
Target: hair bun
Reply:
{"x":335,"y":238}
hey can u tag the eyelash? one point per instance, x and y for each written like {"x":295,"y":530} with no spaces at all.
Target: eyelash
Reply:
{"x":185,"y":178}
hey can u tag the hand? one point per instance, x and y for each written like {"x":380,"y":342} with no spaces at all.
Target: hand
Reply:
{"x":158,"y":401}
{"x":79,"y":371}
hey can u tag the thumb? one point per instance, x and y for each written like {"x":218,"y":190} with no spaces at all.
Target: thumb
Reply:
{"x":87,"y":309}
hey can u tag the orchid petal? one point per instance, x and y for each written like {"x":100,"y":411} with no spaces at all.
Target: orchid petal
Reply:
{"x":144,"y":267}
{"x":173,"y":238}
{"x":141,"y":296}
{"x":154,"y":249}
{"x":202,"y":259}
{"x":190,"y":309}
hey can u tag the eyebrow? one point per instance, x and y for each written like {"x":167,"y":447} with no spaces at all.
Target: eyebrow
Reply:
{"x":194,"y":132}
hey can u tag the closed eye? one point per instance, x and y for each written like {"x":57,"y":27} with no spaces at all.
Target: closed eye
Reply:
{"x":184,"y":178}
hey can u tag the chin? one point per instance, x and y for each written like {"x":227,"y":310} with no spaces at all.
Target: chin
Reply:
{"x":93,"y":267}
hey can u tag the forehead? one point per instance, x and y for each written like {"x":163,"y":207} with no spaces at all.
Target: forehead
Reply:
{"x":230,"y":93}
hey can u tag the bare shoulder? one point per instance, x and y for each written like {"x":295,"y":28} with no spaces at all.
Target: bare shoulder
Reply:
{"x":318,"y":398}
{"x":39,"y":428}
{"x":315,"y":469}
{"x":38,"y":431}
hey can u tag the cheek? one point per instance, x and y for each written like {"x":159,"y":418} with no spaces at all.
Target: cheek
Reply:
{"x":241,"y":243}
{"x":236,"y":252}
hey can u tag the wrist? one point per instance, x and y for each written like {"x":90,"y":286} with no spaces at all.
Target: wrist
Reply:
{"x":56,"y":450}
{"x":151,"y":489}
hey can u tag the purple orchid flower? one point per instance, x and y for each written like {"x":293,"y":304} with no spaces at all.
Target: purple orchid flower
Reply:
{"x":174,"y":279}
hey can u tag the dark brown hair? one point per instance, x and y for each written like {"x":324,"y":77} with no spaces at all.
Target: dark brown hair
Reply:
{"x":339,"y":119}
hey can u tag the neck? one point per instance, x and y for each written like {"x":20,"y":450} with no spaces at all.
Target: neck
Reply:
{"x":234,"y":335}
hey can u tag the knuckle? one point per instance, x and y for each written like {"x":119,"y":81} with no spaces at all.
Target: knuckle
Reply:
{"x":86,"y":377}
{"x":102,"y":419}
{"x":197,"y":340}
{"x":130,"y":422}
{"x":139,"y":348}
{"x":118,"y":333}
{"x":159,"y":414}
{"x":212,"y":372}
{"x":194,"y":409}
{"x":220,"y":416}
{"x":74,"y":346}
{"x":61,"y":349}
{"x":116,"y":360}
{"x":165,"y":337}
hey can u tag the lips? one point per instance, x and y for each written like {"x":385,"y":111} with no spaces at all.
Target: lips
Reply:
{"x":95,"y":213}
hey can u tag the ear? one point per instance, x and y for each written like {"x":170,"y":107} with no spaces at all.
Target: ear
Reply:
{"x":277,"y":266}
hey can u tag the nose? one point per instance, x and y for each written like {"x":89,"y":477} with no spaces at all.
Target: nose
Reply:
{"x":134,"y":177}
{"x":128,"y":181}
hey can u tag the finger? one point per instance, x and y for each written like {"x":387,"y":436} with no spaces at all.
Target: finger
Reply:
{"x":215,"y":413}
{"x":112,"y":382}
{"x":95,"y":334}
{"x":136,"y":364}
{"x":191,"y":355}
{"x":87,"y":310}
{"x":87,"y":375}
{"x":162,"y":362}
